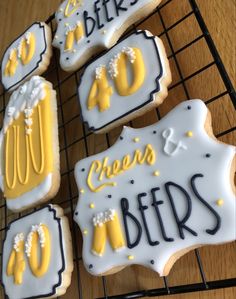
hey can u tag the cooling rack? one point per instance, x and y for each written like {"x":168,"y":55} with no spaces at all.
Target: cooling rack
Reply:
{"x":186,"y":37}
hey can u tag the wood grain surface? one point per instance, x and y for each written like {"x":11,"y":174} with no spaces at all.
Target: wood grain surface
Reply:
{"x":219,"y":262}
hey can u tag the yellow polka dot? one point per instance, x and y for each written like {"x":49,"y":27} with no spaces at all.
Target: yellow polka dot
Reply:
{"x":156,"y":173}
{"x":114,"y":184}
{"x":189,"y":134}
{"x":220,"y":202}
{"x":130,"y":257}
{"x":85,"y":232}
{"x":136,"y":139}
{"x":81,"y":191}
{"x":92,"y":206}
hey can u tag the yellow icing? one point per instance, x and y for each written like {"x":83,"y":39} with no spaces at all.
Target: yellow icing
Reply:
{"x":124,"y":88}
{"x":27,"y":49}
{"x":100,"y":93}
{"x":72,"y":35}
{"x":26,"y":165}
{"x":118,"y":167}
{"x":75,"y":3}
{"x":16,"y":263}
{"x":40,"y":270}
{"x":111,"y":230}
{"x":11,"y":64}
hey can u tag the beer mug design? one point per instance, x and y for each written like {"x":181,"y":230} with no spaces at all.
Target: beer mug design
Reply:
{"x":27,"y":144}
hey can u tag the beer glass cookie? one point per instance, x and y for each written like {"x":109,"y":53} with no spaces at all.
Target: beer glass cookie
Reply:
{"x":28,"y":55}
{"x":37,"y":260}
{"x":29,"y":167}
{"x":124,"y":83}
{"x":85,"y":27}
{"x":157,"y":193}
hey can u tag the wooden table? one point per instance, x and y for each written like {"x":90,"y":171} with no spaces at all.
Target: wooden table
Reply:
{"x":218,"y":261}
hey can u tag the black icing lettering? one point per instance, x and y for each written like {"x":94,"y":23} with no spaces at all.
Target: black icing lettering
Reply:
{"x":142,"y":208}
{"x":156,"y":204}
{"x":125,"y":211}
{"x":104,"y":2}
{"x":133,"y":2}
{"x":214,"y":230}
{"x":89,"y":28}
{"x":118,"y":5}
{"x":180,"y":222}
{"x":96,"y":10}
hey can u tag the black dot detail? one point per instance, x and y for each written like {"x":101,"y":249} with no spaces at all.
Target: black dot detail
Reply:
{"x":61,"y":43}
{"x":208,"y":155}
{"x":189,"y":107}
{"x":152,"y":262}
{"x":90,"y":266}
{"x":132,"y":182}
{"x":154,"y":132}
{"x":109,"y":196}
{"x":83,"y":169}
{"x":67,"y":58}
{"x":77,"y":13}
{"x":76,"y":213}
{"x":121,"y":138}
{"x":59,"y":20}
{"x":88,"y":41}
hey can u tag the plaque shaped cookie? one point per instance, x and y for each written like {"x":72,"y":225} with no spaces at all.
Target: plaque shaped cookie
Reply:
{"x":157,"y":193}
{"x":37,"y":258}
{"x":29,"y":164}
{"x":28,"y":55}
{"x":85,"y":27}
{"x":124,"y":83}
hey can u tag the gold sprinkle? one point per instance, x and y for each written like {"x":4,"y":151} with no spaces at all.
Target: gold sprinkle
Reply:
{"x":189,"y":134}
{"x":92,"y":206}
{"x":136,"y":139}
{"x":74,"y":51}
{"x":81,"y":191}
{"x":85,"y":232}
{"x":156,"y":173}
{"x":130,"y":257}
{"x":220,"y":202}
{"x":104,"y":31}
{"x":114,"y":184}
{"x":61,"y":9}
{"x":56,"y":36}
{"x":66,"y":24}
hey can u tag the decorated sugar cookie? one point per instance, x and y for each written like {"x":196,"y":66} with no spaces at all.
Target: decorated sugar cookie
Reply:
{"x":28,"y":55}
{"x":29,"y":165}
{"x":157,"y":193}
{"x":124,"y":83}
{"x":37,"y":256}
{"x":85,"y":27}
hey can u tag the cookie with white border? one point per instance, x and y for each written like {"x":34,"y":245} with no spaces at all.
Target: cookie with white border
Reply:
{"x":157,"y":193}
{"x":29,"y":148}
{"x":44,"y":233}
{"x":27,"y":56}
{"x":86,"y":27}
{"x":124,"y":83}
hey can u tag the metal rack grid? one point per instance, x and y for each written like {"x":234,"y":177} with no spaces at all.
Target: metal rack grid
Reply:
{"x":67,"y":192}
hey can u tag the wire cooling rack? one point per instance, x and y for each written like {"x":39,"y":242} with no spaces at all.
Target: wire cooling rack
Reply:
{"x":76,"y":142}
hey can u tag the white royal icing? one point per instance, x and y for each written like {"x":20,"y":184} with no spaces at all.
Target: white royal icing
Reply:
{"x":198,"y":154}
{"x":156,"y":80}
{"x":31,"y":285}
{"x":25,"y":71}
{"x":88,"y":12}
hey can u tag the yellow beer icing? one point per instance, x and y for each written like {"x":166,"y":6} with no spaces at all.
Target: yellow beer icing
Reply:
{"x":118,"y":167}
{"x":75,"y":3}
{"x":11,"y":64}
{"x":75,"y":34}
{"x":28,"y":157}
{"x":27,"y":49}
